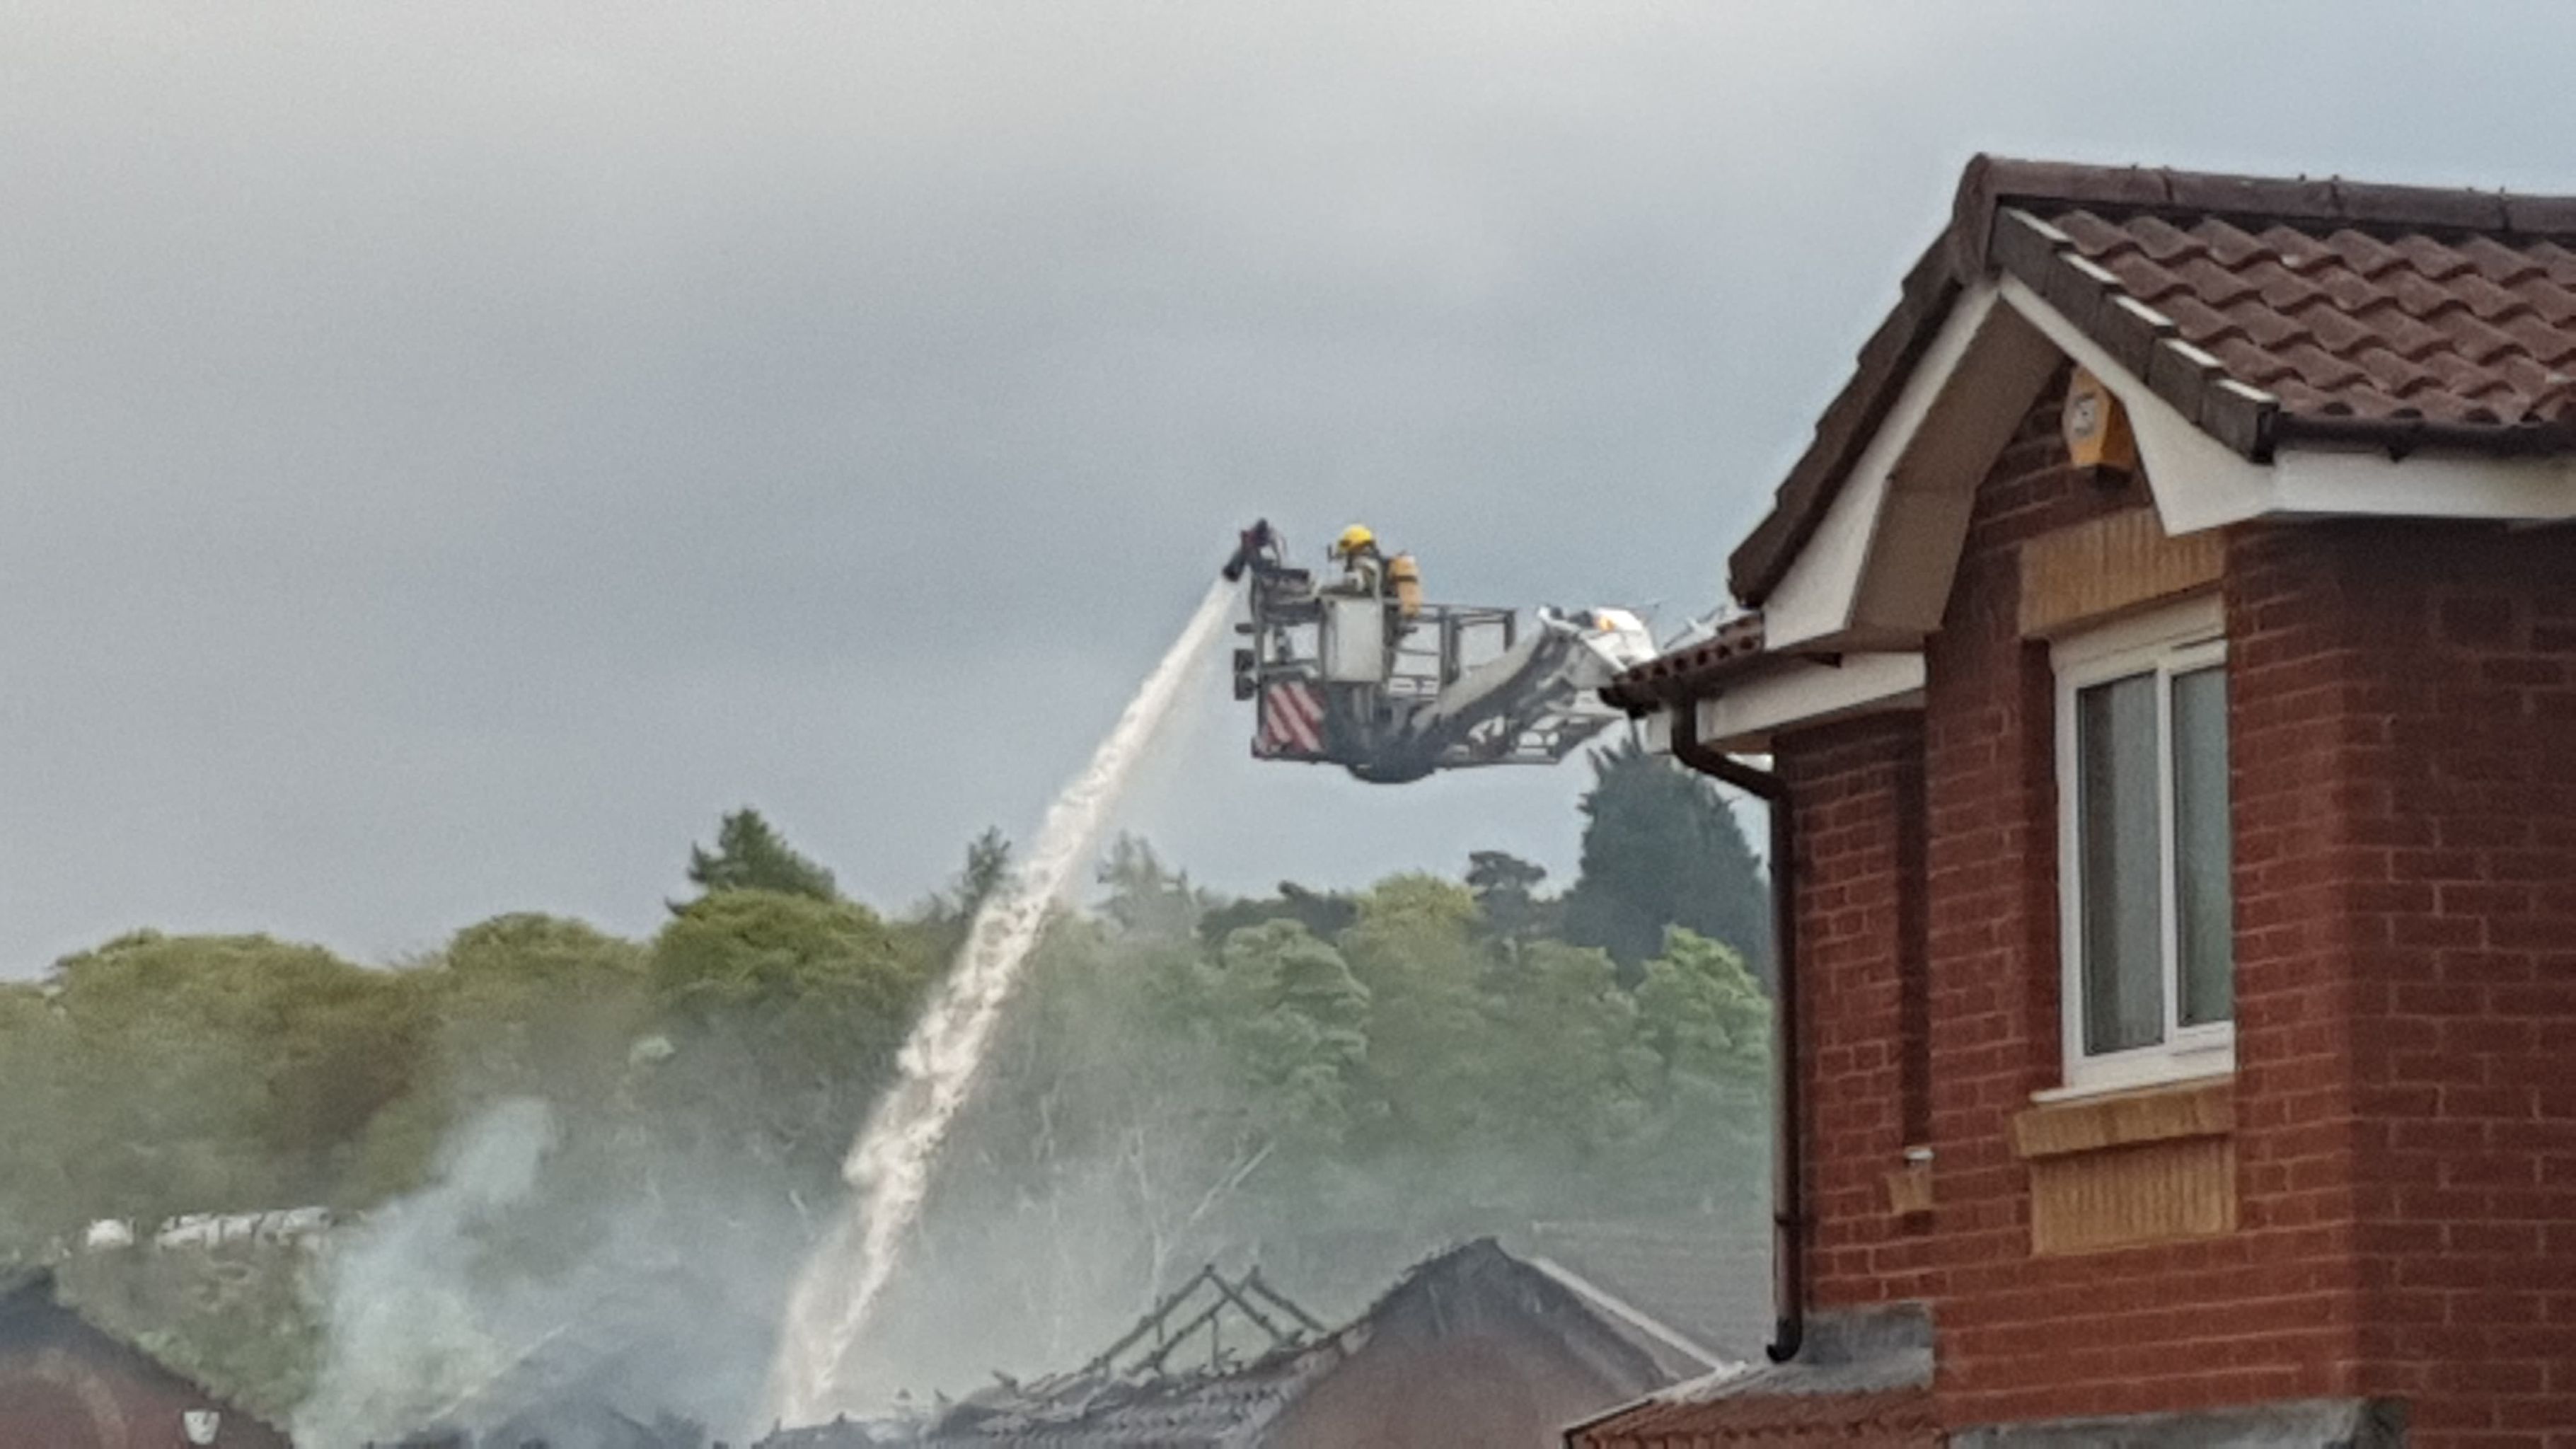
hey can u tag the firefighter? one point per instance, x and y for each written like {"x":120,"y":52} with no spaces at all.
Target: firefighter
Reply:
{"x":1363,"y":567}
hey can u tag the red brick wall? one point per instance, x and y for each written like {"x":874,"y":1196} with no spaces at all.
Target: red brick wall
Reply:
{"x":1844,"y":779}
{"x":2268,"y":1312}
{"x":2428,"y":674}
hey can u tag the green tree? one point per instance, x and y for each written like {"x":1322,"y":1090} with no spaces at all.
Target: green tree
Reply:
{"x":1324,"y":913}
{"x":1146,"y":899}
{"x":783,"y":1012}
{"x":988,"y":865}
{"x":945,"y":918}
{"x":1704,"y":1142}
{"x":1705,"y":1015}
{"x":45,"y":1166}
{"x":215,"y":1073}
{"x":1506,"y":888}
{"x":750,"y":855}
{"x":1661,"y":848}
{"x":1293,"y":1019}
{"x":524,"y":1005}
{"x":1416,"y":947}
{"x":1569,"y":1066}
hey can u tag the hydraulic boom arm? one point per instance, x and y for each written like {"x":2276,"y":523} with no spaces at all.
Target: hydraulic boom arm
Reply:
{"x":1362,"y":673}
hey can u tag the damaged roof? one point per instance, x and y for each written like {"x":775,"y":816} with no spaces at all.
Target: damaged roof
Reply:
{"x":1234,"y":1407}
{"x":2271,"y":312}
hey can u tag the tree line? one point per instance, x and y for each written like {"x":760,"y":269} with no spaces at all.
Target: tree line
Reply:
{"x":1186,"y":1076}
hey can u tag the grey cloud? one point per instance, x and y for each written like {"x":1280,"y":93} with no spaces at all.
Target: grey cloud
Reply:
{"x":452,"y":452}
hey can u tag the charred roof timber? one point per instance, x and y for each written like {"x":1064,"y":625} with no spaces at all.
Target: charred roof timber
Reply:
{"x":1256,"y":1302}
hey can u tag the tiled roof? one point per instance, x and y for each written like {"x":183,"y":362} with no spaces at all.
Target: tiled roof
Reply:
{"x":1709,"y":1284}
{"x":1677,"y":674}
{"x":1863,"y":1376}
{"x":2272,"y":312}
{"x":2318,"y":322}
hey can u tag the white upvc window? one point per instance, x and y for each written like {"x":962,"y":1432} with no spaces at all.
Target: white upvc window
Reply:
{"x":2147,"y":941}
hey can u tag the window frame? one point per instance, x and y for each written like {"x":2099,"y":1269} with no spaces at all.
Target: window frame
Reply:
{"x":2173,"y":640}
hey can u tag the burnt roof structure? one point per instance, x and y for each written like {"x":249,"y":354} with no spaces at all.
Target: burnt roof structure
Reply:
{"x":1475,"y":1294}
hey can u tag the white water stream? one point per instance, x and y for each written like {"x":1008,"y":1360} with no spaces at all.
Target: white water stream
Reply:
{"x":890,"y":1165}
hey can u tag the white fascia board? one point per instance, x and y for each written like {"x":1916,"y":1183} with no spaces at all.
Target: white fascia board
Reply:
{"x":1743,"y":715}
{"x":1816,"y":599}
{"x":2199,"y":482}
{"x":1655,"y":733}
{"x":2374,"y":485}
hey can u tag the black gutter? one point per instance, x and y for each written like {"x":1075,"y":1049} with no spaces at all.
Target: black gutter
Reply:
{"x":1788,"y":1159}
{"x":2398,"y":437}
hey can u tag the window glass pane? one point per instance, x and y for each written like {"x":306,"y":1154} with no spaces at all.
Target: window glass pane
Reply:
{"x":2201,"y":890}
{"x":2122,"y":866}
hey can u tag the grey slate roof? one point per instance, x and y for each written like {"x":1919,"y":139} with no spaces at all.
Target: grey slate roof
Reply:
{"x":1712,"y":1286}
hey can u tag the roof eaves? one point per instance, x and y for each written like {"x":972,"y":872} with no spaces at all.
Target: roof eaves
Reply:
{"x":1992,"y":230}
{"x":1684,"y":674}
{"x":1661,"y":1339}
{"x":1848,"y":423}
{"x":2246,"y":419}
{"x":2138,"y":337}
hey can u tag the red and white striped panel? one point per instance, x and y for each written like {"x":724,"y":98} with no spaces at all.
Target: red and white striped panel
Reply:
{"x":1292,"y":720}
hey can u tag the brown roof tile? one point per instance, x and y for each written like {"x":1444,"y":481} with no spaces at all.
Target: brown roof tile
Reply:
{"x":1883,"y":1417}
{"x":2272,"y":312}
{"x":1685,"y":672}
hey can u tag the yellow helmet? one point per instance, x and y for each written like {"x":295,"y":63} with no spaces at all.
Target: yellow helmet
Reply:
{"x":1353,"y":539}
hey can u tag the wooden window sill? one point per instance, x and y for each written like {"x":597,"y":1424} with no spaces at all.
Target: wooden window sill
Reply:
{"x":2201,"y":1108}
{"x":2146,"y":1166}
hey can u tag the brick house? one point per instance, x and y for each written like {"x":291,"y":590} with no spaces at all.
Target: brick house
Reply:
{"x":2166,"y":658}
{"x":64,"y":1384}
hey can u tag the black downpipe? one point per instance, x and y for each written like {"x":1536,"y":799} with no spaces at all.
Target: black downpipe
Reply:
{"x":1788,"y":1160}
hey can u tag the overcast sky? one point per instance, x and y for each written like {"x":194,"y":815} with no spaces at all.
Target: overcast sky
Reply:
{"x":453,"y":452}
